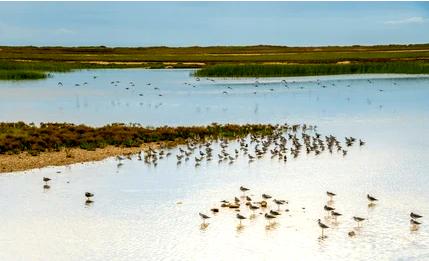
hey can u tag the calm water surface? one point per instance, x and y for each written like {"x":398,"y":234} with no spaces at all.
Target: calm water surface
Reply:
{"x":136,"y":216}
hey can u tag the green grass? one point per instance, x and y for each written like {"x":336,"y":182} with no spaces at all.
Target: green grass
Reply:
{"x":283,"y":70}
{"x":19,"y":70}
{"x":19,"y":137}
{"x":21,"y":75}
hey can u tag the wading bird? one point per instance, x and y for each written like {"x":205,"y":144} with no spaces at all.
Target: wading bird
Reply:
{"x":328,"y":208}
{"x":358,"y":220}
{"x":266,"y":196}
{"x":240,"y":218}
{"x":279,"y":202}
{"x":414,"y":224}
{"x":330,"y":194}
{"x":88,"y":196}
{"x":203,"y":217}
{"x":335,"y":214}
{"x":371,"y":198}
{"x":244,"y":189}
{"x":415,"y":216}
{"x":269,"y":218}
{"x":46,"y":180}
{"x":322,"y":226}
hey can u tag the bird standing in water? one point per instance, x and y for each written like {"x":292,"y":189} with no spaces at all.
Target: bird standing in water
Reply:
{"x":244,"y":189}
{"x":331,"y":195}
{"x":371,"y":198}
{"x":414,"y":224}
{"x":358,"y":220}
{"x":46,"y":186}
{"x":279,"y":202}
{"x":335,"y":214}
{"x":89,"y":196}
{"x":322,"y":226}
{"x":328,"y":208}
{"x":269,"y":218}
{"x":413,"y":221}
{"x":415,"y":216}
{"x":240,"y":218}
{"x":203,"y":217}
{"x":266,"y":196}
{"x":46,"y":180}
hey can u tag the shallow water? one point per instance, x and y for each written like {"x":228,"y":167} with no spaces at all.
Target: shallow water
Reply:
{"x":136,"y":216}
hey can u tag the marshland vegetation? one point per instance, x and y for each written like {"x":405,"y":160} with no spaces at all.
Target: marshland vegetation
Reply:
{"x":30,"y":62}
{"x":282,"y":70}
{"x":32,"y":70}
{"x":20,"y":137}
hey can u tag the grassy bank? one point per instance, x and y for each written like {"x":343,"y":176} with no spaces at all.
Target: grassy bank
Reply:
{"x":20,"y":137}
{"x":282,"y":70}
{"x":31,"y":70}
{"x":36,"y":62}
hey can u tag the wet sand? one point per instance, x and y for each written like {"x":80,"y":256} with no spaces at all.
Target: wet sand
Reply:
{"x":25,"y":161}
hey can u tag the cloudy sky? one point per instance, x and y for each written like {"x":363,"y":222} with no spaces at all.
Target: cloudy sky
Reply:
{"x":212,"y":23}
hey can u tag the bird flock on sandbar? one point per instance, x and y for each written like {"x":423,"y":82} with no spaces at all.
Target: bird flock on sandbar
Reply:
{"x":271,"y":208}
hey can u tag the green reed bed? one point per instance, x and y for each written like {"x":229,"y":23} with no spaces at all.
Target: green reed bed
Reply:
{"x":19,"y":137}
{"x":21,"y":75}
{"x":30,"y":70}
{"x":19,"y":70}
{"x":281,"y":70}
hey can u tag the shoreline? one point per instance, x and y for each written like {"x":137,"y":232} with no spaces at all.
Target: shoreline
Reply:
{"x":24,"y":161}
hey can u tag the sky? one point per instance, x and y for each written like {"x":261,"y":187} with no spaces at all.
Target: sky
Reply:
{"x":212,"y":23}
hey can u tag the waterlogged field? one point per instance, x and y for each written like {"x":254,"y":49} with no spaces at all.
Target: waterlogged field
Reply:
{"x":147,"y":212}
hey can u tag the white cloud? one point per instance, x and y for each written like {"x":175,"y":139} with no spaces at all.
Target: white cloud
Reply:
{"x":410,"y":20}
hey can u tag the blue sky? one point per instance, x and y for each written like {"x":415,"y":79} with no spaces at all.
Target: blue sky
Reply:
{"x":212,"y":23}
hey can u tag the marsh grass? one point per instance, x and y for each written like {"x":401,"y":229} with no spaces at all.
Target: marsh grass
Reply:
{"x":18,"y":70}
{"x":281,"y":70}
{"x":29,"y":62}
{"x":19,"y":137}
{"x":21,"y":75}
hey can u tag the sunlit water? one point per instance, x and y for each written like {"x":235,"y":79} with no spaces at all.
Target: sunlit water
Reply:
{"x":136,"y":216}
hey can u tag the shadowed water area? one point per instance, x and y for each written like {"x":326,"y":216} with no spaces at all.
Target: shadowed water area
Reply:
{"x":136,"y":215}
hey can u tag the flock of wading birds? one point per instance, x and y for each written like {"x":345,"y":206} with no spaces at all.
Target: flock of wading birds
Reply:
{"x":270,"y":214}
{"x":285,"y":140}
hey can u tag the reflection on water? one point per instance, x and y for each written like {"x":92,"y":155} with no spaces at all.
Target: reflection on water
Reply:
{"x":143,"y":212}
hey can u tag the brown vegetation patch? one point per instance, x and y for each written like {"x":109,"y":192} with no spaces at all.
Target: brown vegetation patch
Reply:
{"x":25,"y":146}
